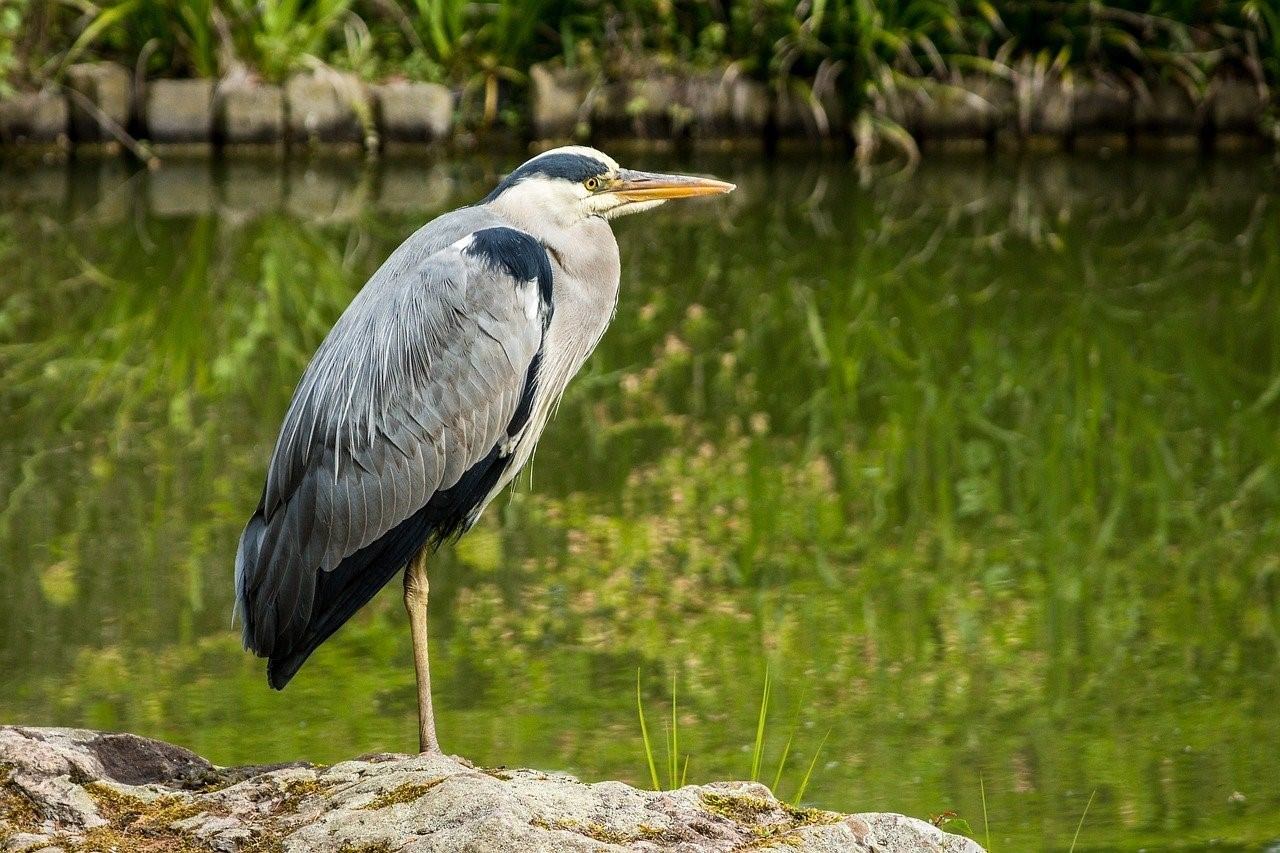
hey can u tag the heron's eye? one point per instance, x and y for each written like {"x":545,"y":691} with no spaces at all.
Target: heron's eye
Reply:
{"x":592,"y":184}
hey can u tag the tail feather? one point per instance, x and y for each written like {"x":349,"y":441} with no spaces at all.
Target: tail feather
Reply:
{"x":348,"y":587}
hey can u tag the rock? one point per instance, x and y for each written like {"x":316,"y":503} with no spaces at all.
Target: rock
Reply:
{"x":749,"y":104}
{"x":1166,"y":109}
{"x":327,"y":107}
{"x":653,"y":105}
{"x":1045,"y":106}
{"x":105,"y":102}
{"x":65,"y":788}
{"x":1100,"y":107}
{"x":1236,"y":105}
{"x":414,"y":112}
{"x":972,"y":108}
{"x":249,"y":112}
{"x":34,"y":117}
{"x":179,"y":111}
{"x":709,"y":98}
{"x":558,"y":100}
{"x":799,"y":114}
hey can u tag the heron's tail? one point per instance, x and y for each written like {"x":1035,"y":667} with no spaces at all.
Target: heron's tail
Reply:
{"x":348,"y":587}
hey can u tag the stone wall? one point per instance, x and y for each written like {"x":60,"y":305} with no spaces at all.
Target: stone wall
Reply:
{"x":103,"y":103}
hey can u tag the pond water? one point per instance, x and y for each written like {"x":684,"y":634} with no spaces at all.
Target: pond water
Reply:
{"x":980,"y":464}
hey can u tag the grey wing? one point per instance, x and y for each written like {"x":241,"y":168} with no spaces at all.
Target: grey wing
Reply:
{"x":416,"y":383}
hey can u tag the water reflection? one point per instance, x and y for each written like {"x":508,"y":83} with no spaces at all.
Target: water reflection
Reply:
{"x":981,"y":462}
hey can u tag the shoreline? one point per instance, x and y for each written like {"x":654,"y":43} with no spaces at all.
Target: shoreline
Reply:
{"x":101,"y":108}
{"x":85,"y":790}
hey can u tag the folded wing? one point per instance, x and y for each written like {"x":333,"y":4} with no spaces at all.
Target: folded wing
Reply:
{"x":393,"y":435}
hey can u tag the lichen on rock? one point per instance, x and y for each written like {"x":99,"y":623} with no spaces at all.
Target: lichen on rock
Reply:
{"x":78,"y":791}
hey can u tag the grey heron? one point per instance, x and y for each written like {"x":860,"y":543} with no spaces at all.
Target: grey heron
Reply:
{"x":428,"y":396}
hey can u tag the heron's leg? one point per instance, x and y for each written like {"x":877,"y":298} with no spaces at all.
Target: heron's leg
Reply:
{"x":415,"y":601}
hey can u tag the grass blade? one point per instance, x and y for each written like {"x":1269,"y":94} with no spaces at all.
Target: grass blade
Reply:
{"x":1079,"y":825}
{"x":674,"y":755}
{"x":782,"y":762}
{"x":644,"y":735}
{"x":758,"y":752}
{"x":804,"y":783}
{"x":986,"y":827}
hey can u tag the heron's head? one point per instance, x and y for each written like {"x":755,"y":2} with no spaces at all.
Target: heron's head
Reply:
{"x":566,"y":185}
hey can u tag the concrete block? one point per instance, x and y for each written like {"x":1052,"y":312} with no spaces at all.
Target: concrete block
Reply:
{"x":558,"y":101}
{"x":249,"y":112}
{"x":179,"y":111}
{"x":327,"y":107}
{"x":709,"y":98}
{"x":109,"y":88}
{"x":1045,"y":107}
{"x":34,"y":117}
{"x":972,"y":108}
{"x":749,"y":105}
{"x":414,"y":112}
{"x":1166,"y":109}
{"x":652,"y":105}
{"x":1236,"y":106}
{"x":1101,"y":107}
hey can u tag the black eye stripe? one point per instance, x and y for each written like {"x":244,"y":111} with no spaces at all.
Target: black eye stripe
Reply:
{"x":571,"y":167}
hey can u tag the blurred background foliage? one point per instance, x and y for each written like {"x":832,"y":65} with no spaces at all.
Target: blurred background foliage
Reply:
{"x":982,"y":463}
{"x":849,"y":50}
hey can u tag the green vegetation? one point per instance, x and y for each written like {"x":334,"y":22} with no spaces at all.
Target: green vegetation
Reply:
{"x":839,"y":56}
{"x":406,"y":793}
{"x":981,"y":464}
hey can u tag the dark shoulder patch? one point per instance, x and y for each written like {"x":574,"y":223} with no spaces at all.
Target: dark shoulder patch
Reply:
{"x":515,"y":253}
{"x":570,"y":167}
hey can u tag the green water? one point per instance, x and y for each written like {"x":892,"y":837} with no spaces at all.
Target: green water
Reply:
{"x":982,"y":463}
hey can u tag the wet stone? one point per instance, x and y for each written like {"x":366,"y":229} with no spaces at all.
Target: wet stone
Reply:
{"x":34,"y":117}
{"x":557,"y":100}
{"x":179,"y":111}
{"x":250,"y":112}
{"x":414,"y":112}
{"x":970,"y":109}
{"x":1045,"y":108}
{"x":708,"y":96}
{"x":652,"y":105}
{"x":327,"y":107}
{"x":105,"y":100}
{"x":749,"y":104}
{"x":1166,"y":109}
{"x":1101,"y":107}
{"x":1237,"y":106}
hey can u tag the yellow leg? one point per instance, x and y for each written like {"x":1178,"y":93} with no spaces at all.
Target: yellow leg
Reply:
{"x":415,"y":601}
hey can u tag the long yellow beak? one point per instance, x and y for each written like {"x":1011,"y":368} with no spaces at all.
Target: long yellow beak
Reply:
{"x":649,"y":186}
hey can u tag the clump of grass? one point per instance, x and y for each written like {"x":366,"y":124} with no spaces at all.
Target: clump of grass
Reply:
{"x":678,"y":771}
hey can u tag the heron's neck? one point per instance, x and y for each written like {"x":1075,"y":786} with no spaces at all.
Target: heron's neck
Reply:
{"x":576,"y":245}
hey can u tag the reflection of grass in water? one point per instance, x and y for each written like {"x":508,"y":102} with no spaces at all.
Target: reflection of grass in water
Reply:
{"x":978,"y":460}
